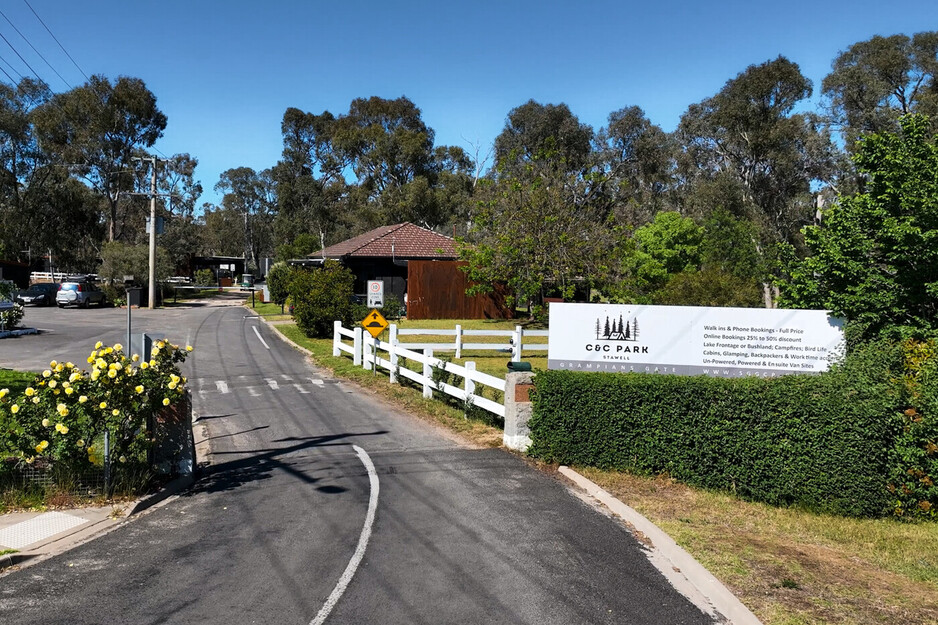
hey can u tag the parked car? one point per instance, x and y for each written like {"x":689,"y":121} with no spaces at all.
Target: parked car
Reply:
{"x":40,"y":294}
{"x":79,"y":293}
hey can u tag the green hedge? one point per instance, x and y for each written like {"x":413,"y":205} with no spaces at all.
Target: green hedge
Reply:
{"x":823,"y":442}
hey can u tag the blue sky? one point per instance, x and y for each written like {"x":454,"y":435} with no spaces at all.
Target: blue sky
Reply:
{"x":224,"y":72}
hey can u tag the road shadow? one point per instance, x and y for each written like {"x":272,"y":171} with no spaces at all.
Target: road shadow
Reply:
{"x":260,"y":464}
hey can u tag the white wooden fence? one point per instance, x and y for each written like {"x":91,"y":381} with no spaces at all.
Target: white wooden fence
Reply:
{"x":366,"y":352}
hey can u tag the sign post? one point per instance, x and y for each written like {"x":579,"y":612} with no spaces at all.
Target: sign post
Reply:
{"x":375,"y":293}
{"x":375,"y":323}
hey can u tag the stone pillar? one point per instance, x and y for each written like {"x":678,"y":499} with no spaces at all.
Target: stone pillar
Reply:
{"x":518,"y":410}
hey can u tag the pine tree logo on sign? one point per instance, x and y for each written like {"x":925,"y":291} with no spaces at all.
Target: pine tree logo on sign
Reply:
{"x":617,"y":331}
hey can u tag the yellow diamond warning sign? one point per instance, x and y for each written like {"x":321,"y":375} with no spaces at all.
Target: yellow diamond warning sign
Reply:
{"x":375,"y":323}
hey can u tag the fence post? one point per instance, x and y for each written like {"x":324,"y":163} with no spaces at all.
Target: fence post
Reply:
{"x":470,"y":385}
{"x":367,"y":354}
{"x":392,"y":353}
{"x":458,"y":341}
{"x":516,"y":344}
{"x":357,"y":354}
{"x":427,"y":374}
{"x":336,"y":337}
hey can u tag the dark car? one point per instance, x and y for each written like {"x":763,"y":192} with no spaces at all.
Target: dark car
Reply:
{"x":40,"y":294}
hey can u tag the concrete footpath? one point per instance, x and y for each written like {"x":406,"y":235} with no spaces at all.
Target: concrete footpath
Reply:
{"x":29,"y":537}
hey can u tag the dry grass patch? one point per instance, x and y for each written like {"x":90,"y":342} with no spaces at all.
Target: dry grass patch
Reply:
{"x":794,"y":567}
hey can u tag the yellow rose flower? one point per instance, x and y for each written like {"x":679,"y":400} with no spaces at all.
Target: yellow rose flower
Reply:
{"x":90,"y":359}
{"x":46,"y":373}
{"x":30,"y":391}
{"x":61,"y":428}
{"x":14,"y":408}
{"x":100,"y":363}
{"x":122,"y":459}
{"x":53,"y":383}
{"x":161,"y":344}
{"x":82,"y":399}
{"x":4,"y":392}
{"x":69,"y":365}
{"x":69,"y":390}
{"x":144,"y":364}
{"x":53,"y":364}
{"x":188,"y":348}
{"x":135,"y":357}
{"x":46,"y":423}
{"x":152,"y":363}
{"x":139,"y":389}
{"x":41,"y":446}
{"x":102,"y":405}
{"x":30,"y":460}
{"x":35,"y":400}
{"x":171,"y":386}
{"x":109,"y":350}
{"x":74,"y":376}
{"x":62,"y":409}
{"x":80,"y":443}
{"x":58,"y":368}
{"x":112,"y":374}
{"x":95,"y":375}
{"x":166,"y":401}
{"x":98,"y":345}
{"x":113,"y":366}
{"x":115,"y":412}
{"x":118,"y":347}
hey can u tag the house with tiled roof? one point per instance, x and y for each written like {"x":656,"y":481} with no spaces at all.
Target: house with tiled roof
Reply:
{"x":384,"y":253}
{"x":414,"y":261}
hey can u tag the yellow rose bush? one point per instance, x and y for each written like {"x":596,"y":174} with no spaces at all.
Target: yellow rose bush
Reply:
{"x":61,"y":417}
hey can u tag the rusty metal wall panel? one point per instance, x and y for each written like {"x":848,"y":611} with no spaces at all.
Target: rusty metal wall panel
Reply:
{"x":436,"y":289}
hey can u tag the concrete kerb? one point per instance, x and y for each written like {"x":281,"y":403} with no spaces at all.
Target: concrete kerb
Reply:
{"x":680,"y":568}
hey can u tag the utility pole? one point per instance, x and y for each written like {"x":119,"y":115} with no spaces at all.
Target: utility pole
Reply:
{"x":151,"y":302}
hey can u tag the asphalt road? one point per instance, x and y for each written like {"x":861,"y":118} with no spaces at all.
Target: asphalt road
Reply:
{"x":324,"y":505}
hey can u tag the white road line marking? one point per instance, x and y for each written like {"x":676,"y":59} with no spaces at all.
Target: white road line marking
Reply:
{"x":222,"y":386}
{"x":272,"y":384}
{"x":362,"y":541}
{"x":315,"y":381}
{"x":261,"y":338}
{"x":253,"y":391}
{"x":285,"y":377}
{"x":300,"y":388}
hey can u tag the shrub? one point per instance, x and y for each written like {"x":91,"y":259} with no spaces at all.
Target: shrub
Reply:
{"x":914,"y":466}
{"x":62,"y":415}
{"x":278,"y":283}
{"x":11,"y":318}
{"x":204,"y":277}
{"x":321,"y":296}
{"x":821,"y":442}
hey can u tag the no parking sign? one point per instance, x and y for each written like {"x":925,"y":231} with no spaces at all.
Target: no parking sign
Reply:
{"x":375,"y":293}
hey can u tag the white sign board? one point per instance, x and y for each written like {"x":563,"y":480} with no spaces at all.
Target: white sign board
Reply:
{"x":375,"y":293}
{"x":692,"y":340}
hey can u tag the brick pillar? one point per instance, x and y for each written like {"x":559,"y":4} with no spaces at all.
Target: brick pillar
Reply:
{"x":518,"y":410}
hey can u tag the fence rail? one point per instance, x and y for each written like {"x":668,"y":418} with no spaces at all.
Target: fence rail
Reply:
{"x":367,"y":353}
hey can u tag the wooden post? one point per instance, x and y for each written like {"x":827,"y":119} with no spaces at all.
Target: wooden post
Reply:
{"x":427,"y":374}
{"x":392,"y":353}
{"x":357,"y":354}
{"x":336,"y":337}
{"x":458,"y":341}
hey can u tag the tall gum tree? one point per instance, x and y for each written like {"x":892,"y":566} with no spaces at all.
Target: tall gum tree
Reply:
{"x":94,"y":130}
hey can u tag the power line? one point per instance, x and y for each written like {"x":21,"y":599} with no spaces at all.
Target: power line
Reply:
{"x":25,"y":62}
{"x":29,"y":43}
{"x":10,"y":65}
{"x":56,"y":40}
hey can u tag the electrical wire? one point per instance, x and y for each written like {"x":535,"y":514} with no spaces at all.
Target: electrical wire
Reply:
{"x":48,"y":30}
{"x":29,"y":43}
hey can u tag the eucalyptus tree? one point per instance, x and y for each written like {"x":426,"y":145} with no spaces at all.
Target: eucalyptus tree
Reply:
{"x":95,"y":129}
{"x":250,"y":195}
{"x":875,"y":81}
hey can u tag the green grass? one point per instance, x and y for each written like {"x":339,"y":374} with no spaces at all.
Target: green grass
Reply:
{"x":16,"y":381}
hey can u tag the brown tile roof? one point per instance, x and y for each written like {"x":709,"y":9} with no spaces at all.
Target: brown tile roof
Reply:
{"x":408,"y":241}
